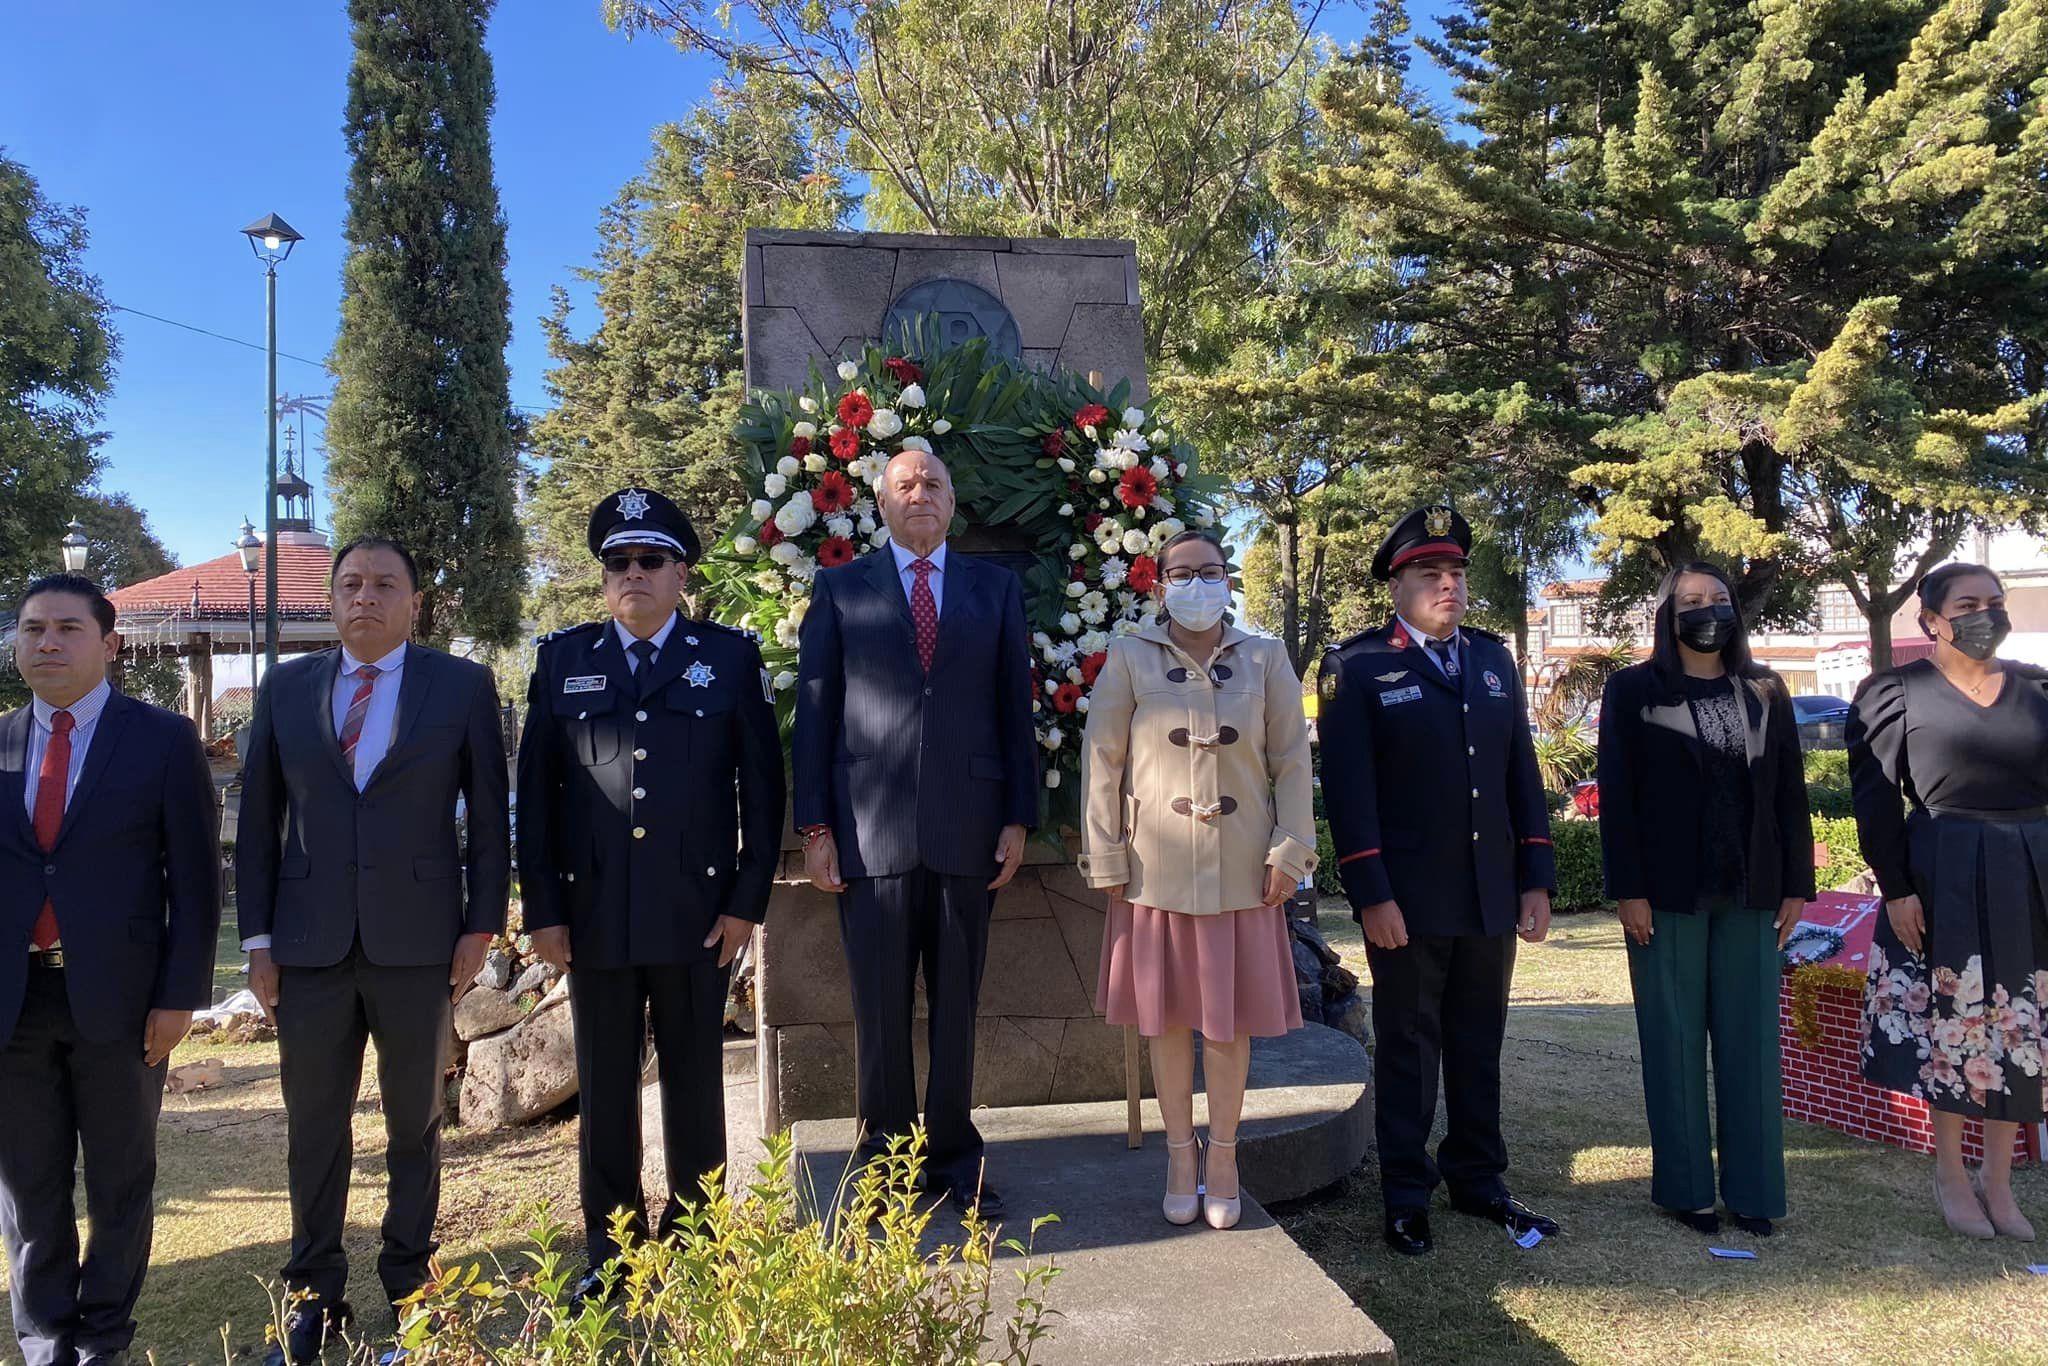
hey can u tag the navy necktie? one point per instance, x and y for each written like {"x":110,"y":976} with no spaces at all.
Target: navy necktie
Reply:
{"x":644,"y":651}
{"x":1445,"y":656}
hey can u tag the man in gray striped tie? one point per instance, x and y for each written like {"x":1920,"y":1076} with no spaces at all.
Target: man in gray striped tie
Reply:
{"x":362,"y":915}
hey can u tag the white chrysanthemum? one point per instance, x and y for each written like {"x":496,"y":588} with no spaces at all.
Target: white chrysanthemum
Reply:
{"x":783,"y":553}
{"x":1134,"y":417}
{"x":1114,"y":570}
{"x":774,"y":485}
{"x":769,"y":580}
{"x":807,"y":403}
{"x":796,"y":516}
{"x":915,"y":443}
{"x":804,"y":570}
{"x":799,"y":605}
{"x":1070,"y":623}
{"x":815,"y":463}
{"x":1204,"y":518}
{"x":941,"y":427}
{"x":1094,"y":607}
{"x":788,"y":466}
{"x":807,"y":430}
{"x":847,"y":369}
{"x":1158,"y":536}
{"x":1162,"y":506}
{"x":784,"y":681}
{"x":884,"y":424}
{"x":1174,"y":527}
{"x":1136,"y":542}
{"x":912,"y":396}
{"x":842,"y":525}
{"x":786,"y":634}
{"x":1159,"y":468}
{"x":1109,"y":538}
{"x":863,"y":507}
{"x":1051,"y":739}
{"x":1076,"y":589}
{"x":1094,"y":642}
{"x":744,"y":545}
{"x":1131,"y":441}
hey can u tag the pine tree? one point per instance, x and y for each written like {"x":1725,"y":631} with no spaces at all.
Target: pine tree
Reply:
{"x":422,"y":439}
{"x":650,"y":396}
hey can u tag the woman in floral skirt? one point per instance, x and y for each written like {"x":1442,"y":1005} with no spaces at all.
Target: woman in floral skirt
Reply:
{"x":1948,"y":758}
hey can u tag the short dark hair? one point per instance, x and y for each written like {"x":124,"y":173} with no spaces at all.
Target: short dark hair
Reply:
{"x":412,"y":571}
{"x":78,"y":586}
{"x":1193,"y":534}
{"x":1735,"y":655}
{"x":1937,"y":584}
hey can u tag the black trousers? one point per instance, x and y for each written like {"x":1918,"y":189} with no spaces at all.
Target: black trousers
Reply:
{"x":64,"y":1095}
{"x":324,"y":1018}
{"x":893,"y":928}
{"x":612,"y":1006}
{"x":1440,"y":1003}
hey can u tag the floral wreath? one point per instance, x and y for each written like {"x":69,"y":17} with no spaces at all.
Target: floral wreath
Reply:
{"x":1097,"y":485}
{"x":1812,"y":944}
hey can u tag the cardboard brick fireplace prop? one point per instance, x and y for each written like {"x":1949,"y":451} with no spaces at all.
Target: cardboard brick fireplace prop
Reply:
{"x":1820,"y":1032}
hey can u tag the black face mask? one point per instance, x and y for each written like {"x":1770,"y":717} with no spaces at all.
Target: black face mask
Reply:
{"x":1707,"y":629}
{"x":1979,"y":634}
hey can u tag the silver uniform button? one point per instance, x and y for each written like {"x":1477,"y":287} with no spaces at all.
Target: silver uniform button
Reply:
{"x":700,"y":711}
{"x":1470,"y":750}
{"x":1468,"y":707}
{"x":640,"y":793}
{"x":568,"y":877}
{"x":639,"y":754}
{"x":710,"y":872}
{"x":1475,"y":792}
{"x":582,"y":716}
{"x":1475,"y":834}
{"x":640,"y":832}
{"x":642,"y":716}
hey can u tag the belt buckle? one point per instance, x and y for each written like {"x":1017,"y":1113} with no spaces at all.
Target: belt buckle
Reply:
{"x":47,"y":958}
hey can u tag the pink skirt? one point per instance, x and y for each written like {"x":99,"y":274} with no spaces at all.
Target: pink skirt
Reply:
{"x":1229,"y":976}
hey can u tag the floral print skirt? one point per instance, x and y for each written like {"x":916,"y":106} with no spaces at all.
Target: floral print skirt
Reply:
{"x":1960,"y":1023}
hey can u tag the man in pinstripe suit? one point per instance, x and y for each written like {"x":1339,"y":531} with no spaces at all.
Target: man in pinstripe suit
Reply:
{"x":916,"y":780}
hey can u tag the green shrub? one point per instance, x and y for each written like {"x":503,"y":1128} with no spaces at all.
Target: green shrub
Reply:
{"x":1829,"y":766}
{"x":1578,"y":866}
{"x":764,"y":1276}
{"x":1845,"y":851}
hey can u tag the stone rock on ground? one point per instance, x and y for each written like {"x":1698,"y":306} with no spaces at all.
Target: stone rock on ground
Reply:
{"x":496,"y":973}
{"x":537,"y":978}
{"x":522,"y":1074}
{"x":485,"y":1011}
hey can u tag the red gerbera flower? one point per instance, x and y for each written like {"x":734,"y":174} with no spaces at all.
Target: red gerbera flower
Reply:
{"x":1066,"y":697}
{"x":834,"y":551}
{"x":845,"y":443}
{"x":902,"y":371}
{"x":799,"y":446}
{"x":1144,"y":574}
{"x":1137,"y":488}
{"x":855,"y":410}
{"x":1092,"y":666}
{"x":1054,"y":444}
{"x":1094,"y":415}
{"x":770,"y":533}
{"x":833,"y":495}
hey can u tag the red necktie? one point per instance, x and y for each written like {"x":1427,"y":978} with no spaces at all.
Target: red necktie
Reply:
{"x":924,"y":612}
{"x":52,"y":780}
{"x":358,"y":708}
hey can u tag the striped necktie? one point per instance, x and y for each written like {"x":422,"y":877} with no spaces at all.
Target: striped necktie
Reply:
{"x":358,"y":708}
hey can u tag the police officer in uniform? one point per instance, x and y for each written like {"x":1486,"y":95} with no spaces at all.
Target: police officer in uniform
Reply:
{"x":650,"y":820}
{"x":1443,"y":843}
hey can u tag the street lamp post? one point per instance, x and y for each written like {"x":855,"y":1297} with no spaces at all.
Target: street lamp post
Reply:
{"x":74,"y":547}
{"x":251,"y":551}
{"x":272,"y":239}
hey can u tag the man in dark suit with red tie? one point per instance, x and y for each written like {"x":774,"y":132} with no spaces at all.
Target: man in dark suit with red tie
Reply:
{"x":362,"y":914}
{"x":109,"y":905}
{"x":916,"y":781}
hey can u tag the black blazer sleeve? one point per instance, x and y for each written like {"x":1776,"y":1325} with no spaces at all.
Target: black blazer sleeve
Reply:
{"x":761,"y":784}
{"x":191,"y":852}
{"x":1020,"y":739}
{"x":259,"y":824}
{"x":485,"y":789}
{"x":1794,"y":822}
{"x":1619,"y":774}
{"x":1877,"y":774}
{"x":1528,"y":812}
{"x":540,"y":788}
{"x":820,"y":699}
{"x":1350,"y":788}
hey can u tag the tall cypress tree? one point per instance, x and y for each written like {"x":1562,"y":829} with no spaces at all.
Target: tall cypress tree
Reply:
{"x":422,"y":438}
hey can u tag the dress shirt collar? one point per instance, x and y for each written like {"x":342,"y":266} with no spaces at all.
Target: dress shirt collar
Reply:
{"x":1422,"y":637}
{"x":84,"y":712}
{"x":660,"y":638}
{"x":905,"y":558}
{"x":389,"y":664}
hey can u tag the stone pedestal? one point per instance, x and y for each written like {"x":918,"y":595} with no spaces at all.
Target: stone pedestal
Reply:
{"x":1038,"y":1040}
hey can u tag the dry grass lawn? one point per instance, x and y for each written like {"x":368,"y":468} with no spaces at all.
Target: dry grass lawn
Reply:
{"x":1862,"y":1271}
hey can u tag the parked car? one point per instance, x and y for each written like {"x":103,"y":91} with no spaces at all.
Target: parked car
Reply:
{"x":1823,"y":721}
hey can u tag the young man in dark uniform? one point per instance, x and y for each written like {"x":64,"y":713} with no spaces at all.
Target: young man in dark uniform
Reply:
{"x":650,"y":821}
{"x":1443,"y":843}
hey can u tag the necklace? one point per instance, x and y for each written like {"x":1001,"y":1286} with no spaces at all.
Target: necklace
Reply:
{"x":1974,"y":690}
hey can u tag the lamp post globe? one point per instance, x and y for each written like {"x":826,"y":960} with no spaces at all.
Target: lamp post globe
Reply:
{"x":272,"y":239}
{"x":250,"y":548}
{"x":74,"y":547}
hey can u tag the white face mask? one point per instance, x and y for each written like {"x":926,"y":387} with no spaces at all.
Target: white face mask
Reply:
{"x":1197,"y":605}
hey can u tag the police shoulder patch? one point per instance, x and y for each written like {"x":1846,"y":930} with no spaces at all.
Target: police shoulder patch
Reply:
{"x":566,"y":632}
{"x":1328,"y":677}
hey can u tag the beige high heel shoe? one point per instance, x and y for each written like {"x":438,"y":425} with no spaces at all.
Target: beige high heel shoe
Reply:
{"x":1221,"y":1213}
{"x":1964,"y":1223}
{"x":1182,"y":1209}
{"x":2022,"y":1231}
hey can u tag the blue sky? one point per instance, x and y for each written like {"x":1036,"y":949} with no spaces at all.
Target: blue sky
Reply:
{"x":175,"y":125}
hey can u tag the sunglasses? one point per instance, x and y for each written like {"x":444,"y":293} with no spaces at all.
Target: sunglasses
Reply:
{"x":650,"y":561}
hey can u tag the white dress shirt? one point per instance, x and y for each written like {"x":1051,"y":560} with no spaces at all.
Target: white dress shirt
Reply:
{"x":905,"y":558}
{"x":659,"y":639}
{"x":1422,"y":639}
{"x":85,"y":718}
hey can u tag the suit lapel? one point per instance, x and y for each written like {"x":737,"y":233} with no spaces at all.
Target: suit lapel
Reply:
{"x":14,"y":729}
{"x":416,"y":679}
{"x":956,"y":612}
{"x":883,"y":579}
{"x":106,"y":735}
{"x":320,"y":698}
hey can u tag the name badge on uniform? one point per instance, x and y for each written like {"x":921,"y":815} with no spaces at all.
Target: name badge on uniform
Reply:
{"x":1493,"y":684}
{"x":1412,"y":693}
{"x":583,"y":683}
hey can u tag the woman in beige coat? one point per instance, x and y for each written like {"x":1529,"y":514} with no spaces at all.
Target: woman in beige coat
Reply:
{"x":1199,"y":824}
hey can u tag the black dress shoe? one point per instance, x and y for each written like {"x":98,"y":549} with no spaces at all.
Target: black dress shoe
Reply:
{"x":593,"y":1292}
{"x":1699,"y":1222}
{"x":1754,"y":1227}
{"x":1408,"y":1231}
{"x":119,"y":1358}
{"x":964,"y":1198}
{"x":307,"y":1330}
{"x":1510,"y":1213}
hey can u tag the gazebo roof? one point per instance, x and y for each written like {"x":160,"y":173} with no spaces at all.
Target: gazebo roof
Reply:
{"x":223,"y":587}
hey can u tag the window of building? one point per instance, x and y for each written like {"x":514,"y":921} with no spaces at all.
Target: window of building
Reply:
{"x":1838,"y":612}
{"x":1565,"y":620}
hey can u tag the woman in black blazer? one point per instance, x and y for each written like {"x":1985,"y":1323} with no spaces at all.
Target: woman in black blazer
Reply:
{"x":1709,"y":851}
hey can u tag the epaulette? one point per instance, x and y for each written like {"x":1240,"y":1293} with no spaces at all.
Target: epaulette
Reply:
{"x":1348,"y":642}
{"x":754,"y":636}
{"x":581,"y":628}
{"x":1495,"y":637}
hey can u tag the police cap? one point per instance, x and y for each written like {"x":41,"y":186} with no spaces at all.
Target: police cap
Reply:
{"x":636,"y":516}
{"x":1427,"y":531}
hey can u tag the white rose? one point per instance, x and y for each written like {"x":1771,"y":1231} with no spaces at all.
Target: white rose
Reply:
{"x":743,"y":545}
{"x":1051,"y":739}
{"x":774,"y":485}
{"x":885,"y":423}
{"x":807,"y":403}
{"x":1096,"y":476}
{"x":1174,"y":527}
{"x":1065,"y":464}
{"x":796,"y":516}
{"x":807,"y":430}
{"x":1137,"y":514}
{"x":788,"y":466}
{"x":941,"y":427}
{"x":1204,"y":517}
{"x":1070,"y":623}
{"x":1081,"y":705}
{"x":782,"y":552}
{"x":762,"y":509}
{"x":912,"y":396}
{"x":1052,"y":777}
{"x":1159,"y":469}
{"x":1076,"y":551}
{"x":1092,"y":643}
{"x":865,"y":525}
{"x":1134,"y":417}
{"x":1136,"y":542}
{"x":1041,"y":640}
{"x":1181,"y":470}
{"x":839,"y":526}
{"x":1052,"y":685}
{"x":915,"y":443}
{"x":1066,"y":509}
{"x":847,"y":369}
{"x":879,"y":536}
{"x":815,"y":463}
{"x":1073,"y":675}
{"x":1158,"y":436}
{"x":1076,"y":589}
{"x":784,"y":681}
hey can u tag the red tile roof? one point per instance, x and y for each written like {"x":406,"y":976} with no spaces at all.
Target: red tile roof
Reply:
{"x":224,"y":587}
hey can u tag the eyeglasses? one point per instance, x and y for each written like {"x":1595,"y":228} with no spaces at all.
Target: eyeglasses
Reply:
{"x":650,"y":561}
{"x":1208,"y":573}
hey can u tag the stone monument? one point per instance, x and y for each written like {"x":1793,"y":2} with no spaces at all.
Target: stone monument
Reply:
{"x":812,"y":298}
